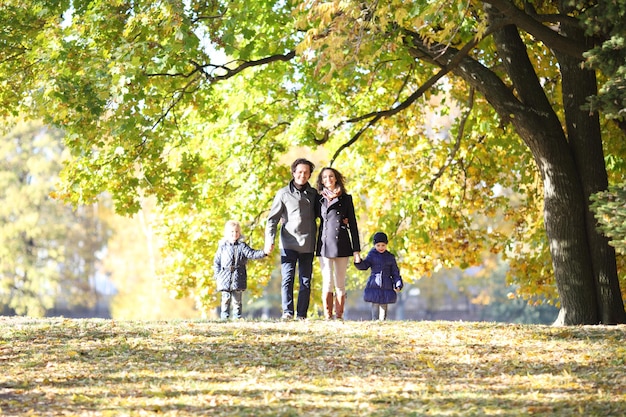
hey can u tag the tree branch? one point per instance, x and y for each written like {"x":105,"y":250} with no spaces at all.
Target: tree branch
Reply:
{"x":376,"y":116}
{"x":520,"y":70}
{"x":228,"y":72}
{"x":200,"y":18}
{"x":538,"y":30}
{"x":457,"y":143}
{"x":177,"y":96}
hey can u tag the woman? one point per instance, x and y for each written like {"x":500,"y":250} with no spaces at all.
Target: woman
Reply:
{"x":337,"y":240}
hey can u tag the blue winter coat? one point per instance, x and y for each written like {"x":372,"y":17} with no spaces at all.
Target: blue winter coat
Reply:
{"x":229,"y":265}
{"x":384,"y":277}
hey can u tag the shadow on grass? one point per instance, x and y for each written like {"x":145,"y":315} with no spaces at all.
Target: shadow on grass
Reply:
{"x":312,"y":368}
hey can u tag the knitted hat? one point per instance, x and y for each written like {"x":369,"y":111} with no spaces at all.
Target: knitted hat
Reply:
{"x":380,"y":237}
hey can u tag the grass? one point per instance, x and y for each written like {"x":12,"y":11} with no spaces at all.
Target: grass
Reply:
{"x":63,"y":367}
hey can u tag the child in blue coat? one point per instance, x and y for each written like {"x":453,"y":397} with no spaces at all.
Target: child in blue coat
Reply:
{"x":384,"y":281}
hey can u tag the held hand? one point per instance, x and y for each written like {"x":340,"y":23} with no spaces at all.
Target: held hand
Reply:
{"x":357,"y":257}
{"x":268,"y":248}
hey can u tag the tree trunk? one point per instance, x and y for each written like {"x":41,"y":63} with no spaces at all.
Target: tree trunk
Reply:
{"x":564,"y":202}
{"x":564,"y":219}
{"x":585,"y":140}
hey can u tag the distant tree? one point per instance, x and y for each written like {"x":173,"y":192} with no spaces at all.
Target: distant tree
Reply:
{"x":133,"y":260}
{"x":488,"y":288}
{"x":48,"y":251}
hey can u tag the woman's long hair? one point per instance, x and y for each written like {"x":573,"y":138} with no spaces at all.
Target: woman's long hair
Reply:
{"x":340,"y":180}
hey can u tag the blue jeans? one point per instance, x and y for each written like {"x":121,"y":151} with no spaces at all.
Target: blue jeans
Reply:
{"x":288,"y":260}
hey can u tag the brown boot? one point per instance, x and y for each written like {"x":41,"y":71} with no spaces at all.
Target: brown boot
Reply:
{"x":327,"y":300}
{"x":340,"y":305}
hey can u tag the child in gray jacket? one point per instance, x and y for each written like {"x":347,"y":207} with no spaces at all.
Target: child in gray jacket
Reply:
{"x":230,"y":268}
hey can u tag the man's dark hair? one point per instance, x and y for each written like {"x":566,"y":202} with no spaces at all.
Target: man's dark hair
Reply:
{"x":300,"y":161}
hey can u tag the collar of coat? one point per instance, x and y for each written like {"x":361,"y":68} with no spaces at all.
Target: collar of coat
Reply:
{"x":228,"y":242}
{"x":306,"y":188}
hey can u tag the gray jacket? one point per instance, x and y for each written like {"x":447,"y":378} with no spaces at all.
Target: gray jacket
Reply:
{"x":229,"y":264}
{"x":295,"y":210}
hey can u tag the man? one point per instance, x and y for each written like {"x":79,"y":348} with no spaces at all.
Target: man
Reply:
{"x":294,"y":207}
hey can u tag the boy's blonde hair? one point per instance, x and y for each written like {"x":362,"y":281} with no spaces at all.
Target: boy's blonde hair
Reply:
{"x":231,"y":224}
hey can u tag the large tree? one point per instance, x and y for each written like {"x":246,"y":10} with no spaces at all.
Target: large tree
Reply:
{"x":197,"y":102}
